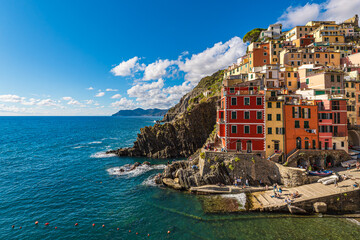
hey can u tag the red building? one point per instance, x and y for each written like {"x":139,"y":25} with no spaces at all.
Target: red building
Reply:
{"x":241,"y":119}
{"x":333,"y":132}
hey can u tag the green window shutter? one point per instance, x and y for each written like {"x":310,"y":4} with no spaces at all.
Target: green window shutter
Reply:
{"x":309,"y":112}
{"x":303,"y":112}
{"x":299,"y":112}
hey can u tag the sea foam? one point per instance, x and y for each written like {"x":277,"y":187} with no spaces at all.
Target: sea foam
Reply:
{"x":241,"y":198}
{"x":133,"y":173}
{"x":102,"y":155}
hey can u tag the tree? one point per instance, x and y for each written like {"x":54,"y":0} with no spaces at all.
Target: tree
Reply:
{"x":253,"y":35}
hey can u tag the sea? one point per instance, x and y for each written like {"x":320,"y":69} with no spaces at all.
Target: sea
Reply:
{"x":54,"y":171}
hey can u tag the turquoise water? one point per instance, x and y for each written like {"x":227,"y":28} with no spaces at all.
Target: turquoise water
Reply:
{"x":52,"y":169}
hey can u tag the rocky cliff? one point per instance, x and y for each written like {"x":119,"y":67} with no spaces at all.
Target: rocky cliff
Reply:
{"x":186,"y":127}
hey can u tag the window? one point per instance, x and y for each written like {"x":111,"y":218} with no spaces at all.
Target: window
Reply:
{"x":306,"y":124}
{"x":246,"y":115}
{"x":332,"y":78}
{"x":297,"y":124}
{"x":342,"y":144}
{"x":269,"y":130}
{"x":289,"y":84}
{"x":314,"y":144}
{"x":232,"y":90}
{"x":258,"y":101}
{"x":317,"y":55}
{"x":258,"y":115}
{"x":265,"y":53}
{"x":233,"y":129}
{"x":332,"y":56}
{"x":295,"y":74}
{"x":269,"y":118}
{"x":259,"y":129}
{"x":289,"y":74}
{"x":221,"y":115}
{"x":233,"y":115}
{"x":278,"y":105}
{"x":273,"y":93}
{"x":270,"y":105}
{"x":307,"y":81}
{"x":278,"y":117}
{"x":233,"y":101}
{"x":246,"y":101}
{"x":338,"y":78}
{"x":246,"y":129}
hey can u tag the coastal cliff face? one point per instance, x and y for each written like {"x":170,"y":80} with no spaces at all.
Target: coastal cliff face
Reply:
{"x":186,"y":127}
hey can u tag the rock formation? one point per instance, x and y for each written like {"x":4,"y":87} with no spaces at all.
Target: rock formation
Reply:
{"x":186,"y":127}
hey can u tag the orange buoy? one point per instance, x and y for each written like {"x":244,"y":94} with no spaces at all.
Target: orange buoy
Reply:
{"x":129,"y":231}
{"x":55,"y":227}
{"x":36,"y":223}
{"x":148,"y":235}
{"x":117,"y":229}
{"x":46,"y":224}
{"x":137,"y":233}
{"x":168,"y":232}
{"x":93,"y":224}
{"x":20,"y":227}
{"x":76,"y":224}
{"x":103,"y":225}
{"x":13,"y":226}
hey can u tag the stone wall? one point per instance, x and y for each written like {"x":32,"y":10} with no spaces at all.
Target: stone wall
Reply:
{"x":318,"y":157}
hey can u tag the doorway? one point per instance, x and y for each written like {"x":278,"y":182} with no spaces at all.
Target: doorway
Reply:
{"x":298,"y":143}
{"x":249,"y":146}
{"x":238,"y":146}
{"x":326,"y":145}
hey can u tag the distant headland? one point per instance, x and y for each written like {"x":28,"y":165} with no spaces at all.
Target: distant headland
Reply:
{"x":141,"y":112}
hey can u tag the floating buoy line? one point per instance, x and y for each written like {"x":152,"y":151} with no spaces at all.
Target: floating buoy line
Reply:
{"x":77,"y":225}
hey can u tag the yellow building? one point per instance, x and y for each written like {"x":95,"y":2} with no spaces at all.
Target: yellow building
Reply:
{"x":275,"y":131}
{"x":298,"y":32}
{"x":275,"y":47}
{"x":290,"y":78}
{"x":328,"y":33}
{"x":350,"y":82}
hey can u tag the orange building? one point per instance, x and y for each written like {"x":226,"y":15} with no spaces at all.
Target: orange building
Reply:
{"x":301,"y":127}
{"x":259,"y":56}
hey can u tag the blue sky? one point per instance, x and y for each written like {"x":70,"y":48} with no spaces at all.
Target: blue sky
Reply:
{"x":146,"y":53}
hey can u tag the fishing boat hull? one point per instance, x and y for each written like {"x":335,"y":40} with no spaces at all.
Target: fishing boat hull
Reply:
{"x":320,"y":174}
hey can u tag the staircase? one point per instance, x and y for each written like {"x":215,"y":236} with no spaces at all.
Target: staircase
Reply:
{"x":291,"y":154}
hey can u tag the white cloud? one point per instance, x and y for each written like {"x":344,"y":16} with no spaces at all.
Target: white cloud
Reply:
{"x":90,"y":88}
{"x":11,"y":98}
{"x":100,"y":94}
{"x":47,"y":102}
{"x":67,"y":98}
{"x":157,"y":69}
{"x":111,"y":90}
{"x":340,"y":10}
{"x":337,"y":10}
{"x":212,"y":59}
{"x":89,"y":102}
{"x":116,"y":96}
{"x":124,"y":103}
{"x":128,"y":68}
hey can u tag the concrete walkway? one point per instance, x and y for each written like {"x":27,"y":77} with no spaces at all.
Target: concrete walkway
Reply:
{"x":263,"y":200}
{"x":227,"y":189}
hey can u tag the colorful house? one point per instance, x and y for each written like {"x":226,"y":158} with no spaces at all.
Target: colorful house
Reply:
{"x":241,"y":119}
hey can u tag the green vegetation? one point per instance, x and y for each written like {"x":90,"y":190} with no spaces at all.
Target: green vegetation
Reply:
{"x":216,"y":158}
{"x":202,"y":155}
{"x":231,"y":167}
{"x":212,"y":167}
{"x":253,"y":35}
{"x":237,"y":159}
